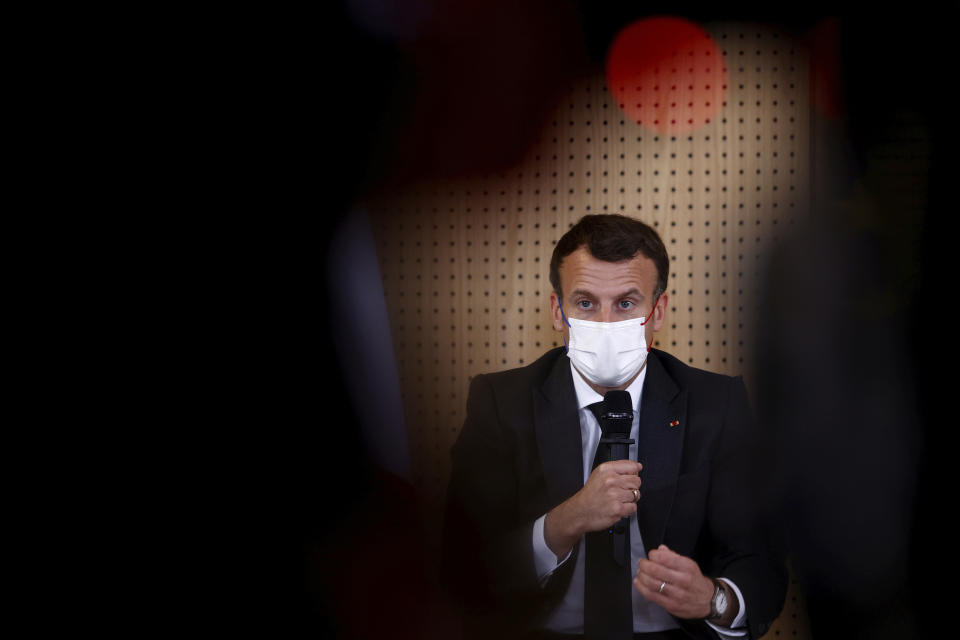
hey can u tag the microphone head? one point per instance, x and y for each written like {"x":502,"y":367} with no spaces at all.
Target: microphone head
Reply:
{"x":617,"y":411}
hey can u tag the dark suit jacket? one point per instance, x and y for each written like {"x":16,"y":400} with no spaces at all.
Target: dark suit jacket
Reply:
{"x":519,"y":455}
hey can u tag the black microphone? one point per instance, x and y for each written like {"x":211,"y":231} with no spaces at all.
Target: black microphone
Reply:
{"x":616,"y":418}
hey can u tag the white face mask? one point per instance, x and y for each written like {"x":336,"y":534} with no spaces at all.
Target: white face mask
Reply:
{"x":608,"y":354}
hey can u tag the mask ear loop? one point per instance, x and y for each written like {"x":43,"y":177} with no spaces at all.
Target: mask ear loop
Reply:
{"x":565,"y":348}
{"x":648,"y":318}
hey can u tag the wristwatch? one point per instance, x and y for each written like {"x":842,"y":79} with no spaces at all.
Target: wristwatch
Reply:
{"x":719,"y":603}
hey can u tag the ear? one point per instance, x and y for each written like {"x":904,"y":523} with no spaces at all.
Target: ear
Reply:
{"x":555,"y":315}
{"x":659,"y":312}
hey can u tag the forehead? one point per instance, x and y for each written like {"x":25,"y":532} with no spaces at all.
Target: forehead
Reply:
{"x":580,"y":270}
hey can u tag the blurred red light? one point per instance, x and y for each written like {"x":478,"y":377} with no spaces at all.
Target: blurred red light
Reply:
{"x":648,"y":48}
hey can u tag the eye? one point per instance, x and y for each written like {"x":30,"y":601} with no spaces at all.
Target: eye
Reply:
{"x":584,"y":304}
{"x":626,"y":304}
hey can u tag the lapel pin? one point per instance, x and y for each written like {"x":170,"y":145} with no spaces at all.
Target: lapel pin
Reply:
{"x":674,"y":423}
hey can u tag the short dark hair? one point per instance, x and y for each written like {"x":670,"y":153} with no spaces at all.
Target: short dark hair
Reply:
{"x":612,"y":238}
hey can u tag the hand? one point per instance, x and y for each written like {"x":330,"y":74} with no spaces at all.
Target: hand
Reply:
{"x":605,"y":499}
{"x":688,"y":592}
{"x":608,"y":494}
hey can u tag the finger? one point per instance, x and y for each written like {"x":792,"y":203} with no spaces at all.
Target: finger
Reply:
{"x":626,"y":482}
{"x":660,"y":573}
{"x":667,"y":557}
{"x":630,"y":467}
{"x":650,"y":589}
{"x":645,"y":591}
{"x":652,"y":583}
{"x":618,"y":482}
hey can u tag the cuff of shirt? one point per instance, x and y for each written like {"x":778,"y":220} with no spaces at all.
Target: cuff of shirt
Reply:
{"x":544,"y":560}
{"x":738,"y":627}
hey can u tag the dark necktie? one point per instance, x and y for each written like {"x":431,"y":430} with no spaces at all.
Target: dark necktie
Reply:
{"x":608,"y":588}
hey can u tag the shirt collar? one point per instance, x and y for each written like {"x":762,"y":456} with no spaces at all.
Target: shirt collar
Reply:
{"x":587,"y":396}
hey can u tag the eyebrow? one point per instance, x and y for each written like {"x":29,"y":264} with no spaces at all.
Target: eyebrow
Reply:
{"x":630,"y":292}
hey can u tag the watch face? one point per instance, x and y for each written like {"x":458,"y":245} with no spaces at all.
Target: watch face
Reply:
{"x":721,"y":602}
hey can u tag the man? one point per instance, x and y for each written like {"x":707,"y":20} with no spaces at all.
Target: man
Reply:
{"x":530,"y":521}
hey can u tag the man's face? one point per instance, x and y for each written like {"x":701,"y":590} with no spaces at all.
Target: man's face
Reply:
{"x":607,"y":292}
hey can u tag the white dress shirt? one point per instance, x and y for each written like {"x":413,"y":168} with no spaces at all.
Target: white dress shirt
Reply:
{"x":568,"y":615}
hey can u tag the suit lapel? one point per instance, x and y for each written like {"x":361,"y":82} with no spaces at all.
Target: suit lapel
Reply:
{"x":659,"y":448}
{"x":557,"y":424}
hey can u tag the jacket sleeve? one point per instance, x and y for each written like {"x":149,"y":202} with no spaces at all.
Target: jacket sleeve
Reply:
{"x":487,"y":550}
{"x":745,"y":531}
